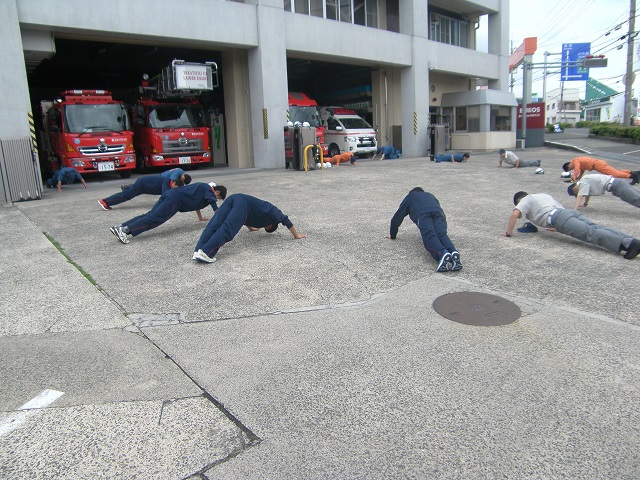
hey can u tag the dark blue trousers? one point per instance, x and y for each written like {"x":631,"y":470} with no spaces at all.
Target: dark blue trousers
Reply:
{"x":433,"y":229}
{"x":224,"y":226}
{"x":148,"y":185}
{"x":162,"y":211}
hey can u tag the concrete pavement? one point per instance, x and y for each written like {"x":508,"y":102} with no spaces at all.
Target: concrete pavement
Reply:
{"x":321,"y":357}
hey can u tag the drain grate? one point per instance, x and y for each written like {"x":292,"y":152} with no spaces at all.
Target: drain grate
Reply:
{"x":475,"y":308}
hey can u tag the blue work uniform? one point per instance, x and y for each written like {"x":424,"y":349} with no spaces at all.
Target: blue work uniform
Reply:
{"x":173,"y":174}
{"x":424,"y":210}
{"x":184,"y":199}
{"x":238,"y":210}
{"x":388,"y":151}
{"x":64,"y":175}
{"x":150,"y":185}
{"x":457,"y":157}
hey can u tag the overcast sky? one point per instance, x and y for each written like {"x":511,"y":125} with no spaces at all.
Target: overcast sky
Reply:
{"x":555,"y":22}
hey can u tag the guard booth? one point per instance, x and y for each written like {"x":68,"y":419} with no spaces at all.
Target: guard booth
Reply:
{"x":296,"y":140}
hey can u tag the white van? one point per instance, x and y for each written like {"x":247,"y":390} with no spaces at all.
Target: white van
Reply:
{"x":347,"y":132}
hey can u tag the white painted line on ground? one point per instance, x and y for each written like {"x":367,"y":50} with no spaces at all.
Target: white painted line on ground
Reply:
{"x":45,"y":398}
{"x":629,"y":153}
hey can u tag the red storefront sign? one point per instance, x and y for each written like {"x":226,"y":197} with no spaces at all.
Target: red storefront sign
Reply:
{"x":535,"y":115}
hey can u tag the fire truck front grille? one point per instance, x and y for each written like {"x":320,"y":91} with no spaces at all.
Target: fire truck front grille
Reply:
{"x":109,"y":150}
{"x":174,"y":146}
{"x":366,"y":141}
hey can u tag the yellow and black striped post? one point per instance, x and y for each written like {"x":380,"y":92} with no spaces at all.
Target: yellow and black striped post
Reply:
{"x":32,"y":133}
{"x":34,"y":140}
{"x":415,"y":123}
{"x":265,"y":124}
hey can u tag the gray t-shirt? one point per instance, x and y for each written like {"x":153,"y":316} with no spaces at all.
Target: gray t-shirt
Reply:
{"x":510,"y":157}
{"x":537,"y":207}
{"x":593,"y":184}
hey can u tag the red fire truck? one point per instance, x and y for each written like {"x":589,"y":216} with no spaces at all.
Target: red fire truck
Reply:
{"x":169,"y":121}
{"x":89,"y":131}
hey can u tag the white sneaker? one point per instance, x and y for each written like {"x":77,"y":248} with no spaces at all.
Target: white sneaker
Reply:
{"x":119,"y":233}
{"x":200,"y":256}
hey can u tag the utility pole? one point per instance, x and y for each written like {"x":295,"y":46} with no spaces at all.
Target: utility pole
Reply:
{"x":512,"y":79}
{"x":561,"y":108}
{"x":629,"y":77}
{"x":544,"y":78}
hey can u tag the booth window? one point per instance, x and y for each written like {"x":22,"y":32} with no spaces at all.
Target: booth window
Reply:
{"x":500,"y":118}
{"x":461,"y":119}
{"x":473,"y":118}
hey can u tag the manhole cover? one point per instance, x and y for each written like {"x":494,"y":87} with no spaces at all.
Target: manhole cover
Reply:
{"x":474,"y":308}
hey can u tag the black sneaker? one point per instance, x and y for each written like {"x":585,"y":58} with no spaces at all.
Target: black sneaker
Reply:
{"x":633,"y":250}
{"x":443,"y":266}
{"x":635,"y":177}
{"x":456,"y":264}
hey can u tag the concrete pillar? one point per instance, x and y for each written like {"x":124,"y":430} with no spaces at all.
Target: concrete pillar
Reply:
{"x":14,"y":89}
{"x":268,"y":98}
{"x":485,"y":118}
{"x":236,"y":107}
{"x":414,"y":80}
{"x":498,"y":31}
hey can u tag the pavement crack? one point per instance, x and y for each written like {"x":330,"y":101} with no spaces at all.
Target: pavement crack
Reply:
{"x":248,"y":438}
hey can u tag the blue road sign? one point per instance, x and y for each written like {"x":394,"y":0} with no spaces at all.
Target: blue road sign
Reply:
{"x":571,"y":54}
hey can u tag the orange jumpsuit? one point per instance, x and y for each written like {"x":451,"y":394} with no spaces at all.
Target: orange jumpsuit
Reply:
{"x":341,"y":158}
{"x":580,"y":165}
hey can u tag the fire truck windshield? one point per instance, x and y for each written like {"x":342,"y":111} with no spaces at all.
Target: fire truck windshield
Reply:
{"x":176,"y":116}
{"x":305,"y":114}
{"x":110,"y":117}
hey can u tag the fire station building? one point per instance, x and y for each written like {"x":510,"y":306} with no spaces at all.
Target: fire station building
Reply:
{"x":425,"y":67}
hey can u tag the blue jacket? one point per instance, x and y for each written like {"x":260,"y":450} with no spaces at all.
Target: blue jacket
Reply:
{"x":388,"y":151}
{"x":154,"y":184}
{"x":446,"y":157}
{"x":173,"y":174}
{"x":415,"y":204}
{"x":66,"y":175}
{"x":191,"y":197}
{"x":261,"y":213}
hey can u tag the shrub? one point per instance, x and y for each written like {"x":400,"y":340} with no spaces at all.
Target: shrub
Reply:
{"x":614,"y":130}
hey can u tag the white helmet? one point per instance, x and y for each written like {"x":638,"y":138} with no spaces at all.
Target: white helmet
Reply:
{"x":539,"y":170}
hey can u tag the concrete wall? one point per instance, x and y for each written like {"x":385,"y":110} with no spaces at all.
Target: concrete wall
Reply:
{"x":14,"y":90}
{"x":461,"y":142}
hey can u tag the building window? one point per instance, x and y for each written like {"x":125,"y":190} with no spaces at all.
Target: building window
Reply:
{"x":500,"y":118}
{"x":316,"y":8}
{"x":446,"y":29}
{"x":359,"y":12}
{"x":461,"y":119}
{"x":302,"y":6}
{"x":592,"y":115}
